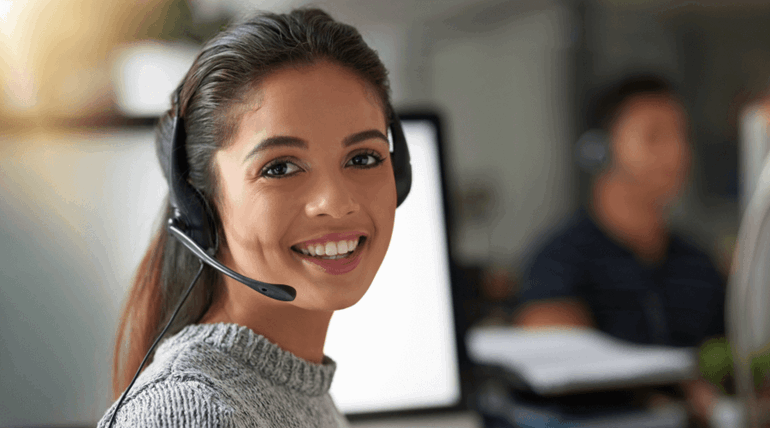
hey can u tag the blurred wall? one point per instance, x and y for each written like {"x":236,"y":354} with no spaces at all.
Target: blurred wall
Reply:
{"x":69,"y":242}
{"x":507,"y":98}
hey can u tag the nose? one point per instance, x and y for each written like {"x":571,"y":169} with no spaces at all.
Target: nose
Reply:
{"x":331,"y":196}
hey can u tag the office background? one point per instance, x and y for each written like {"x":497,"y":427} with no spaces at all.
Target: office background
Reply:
{"x":509,"y":78}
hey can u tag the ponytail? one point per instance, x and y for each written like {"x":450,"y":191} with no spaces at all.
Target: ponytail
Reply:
{"x":141,"y":311}
{"x":162,"y":276}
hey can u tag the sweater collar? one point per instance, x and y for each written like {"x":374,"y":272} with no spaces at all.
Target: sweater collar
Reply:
{"x":279,"y":366}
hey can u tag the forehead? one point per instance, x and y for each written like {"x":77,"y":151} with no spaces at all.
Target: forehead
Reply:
{"x":321,"y":103}
{"x":306,"y":86}
{"x":659,"y":107}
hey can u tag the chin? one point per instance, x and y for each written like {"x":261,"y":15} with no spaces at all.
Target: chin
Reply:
{"x":339,"y":304}
{"x":332,"y":291}
{"x":332,"y":303}
{"x":331,"y":296}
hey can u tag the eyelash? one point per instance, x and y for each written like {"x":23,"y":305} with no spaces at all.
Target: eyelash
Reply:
{"x":273,"y":164}
{"x":378,"y":160}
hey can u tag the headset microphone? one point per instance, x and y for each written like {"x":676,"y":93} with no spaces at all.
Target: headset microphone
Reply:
{"x":275,"y":291}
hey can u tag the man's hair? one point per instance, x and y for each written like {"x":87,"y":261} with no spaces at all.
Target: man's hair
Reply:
{"x":610,"y":100}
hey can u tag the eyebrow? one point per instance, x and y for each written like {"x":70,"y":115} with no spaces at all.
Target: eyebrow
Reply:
{"x":286,"y":141}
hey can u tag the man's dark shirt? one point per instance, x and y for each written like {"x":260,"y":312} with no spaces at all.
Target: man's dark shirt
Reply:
{"x":679,"y":302}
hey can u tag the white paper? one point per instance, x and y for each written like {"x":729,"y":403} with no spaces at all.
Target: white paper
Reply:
{"x":557,"y":361}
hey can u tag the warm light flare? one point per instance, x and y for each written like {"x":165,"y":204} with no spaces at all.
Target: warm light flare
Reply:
{"x":56,"y":56}
{"x":5,"y":9}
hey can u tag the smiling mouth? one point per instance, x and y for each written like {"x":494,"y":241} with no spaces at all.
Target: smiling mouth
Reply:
{"x":332,"y":250}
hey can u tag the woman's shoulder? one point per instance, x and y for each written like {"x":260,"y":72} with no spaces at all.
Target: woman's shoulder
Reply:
{"x":209,"y":375}
{"x":183,"y":386}
{"x":172,"y":402}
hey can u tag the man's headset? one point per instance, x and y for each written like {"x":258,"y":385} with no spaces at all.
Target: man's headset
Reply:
{"x":592,"y":151}
{"x":192,"y":222}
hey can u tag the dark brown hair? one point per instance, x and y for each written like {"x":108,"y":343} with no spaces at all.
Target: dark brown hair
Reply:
{"x":222,"y":79}
{"x":610,"y":100}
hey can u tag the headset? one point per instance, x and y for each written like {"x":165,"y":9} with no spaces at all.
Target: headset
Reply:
{"x":192,"y":220}
{"x":592,"y":151}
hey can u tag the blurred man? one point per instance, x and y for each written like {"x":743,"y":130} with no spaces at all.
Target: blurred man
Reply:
{"x":616,"y":266}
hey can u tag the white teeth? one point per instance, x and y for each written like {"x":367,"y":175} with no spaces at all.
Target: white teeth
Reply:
{"x":331,"y":249}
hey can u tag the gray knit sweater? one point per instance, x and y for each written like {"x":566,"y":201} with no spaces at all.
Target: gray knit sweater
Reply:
{"x":225,"y":375}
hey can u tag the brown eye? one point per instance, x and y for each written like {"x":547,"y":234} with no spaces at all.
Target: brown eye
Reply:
{"x":365,"y":160}
{"x":279,"y":169}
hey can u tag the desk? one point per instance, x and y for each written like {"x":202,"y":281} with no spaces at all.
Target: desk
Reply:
{"x":449,"y":420}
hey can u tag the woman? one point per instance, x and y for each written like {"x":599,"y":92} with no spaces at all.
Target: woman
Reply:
{"x":286,"y":118}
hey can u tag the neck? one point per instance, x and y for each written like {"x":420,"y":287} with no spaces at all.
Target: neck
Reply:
{"x":631,"y":217}
{"x":299,"y":331}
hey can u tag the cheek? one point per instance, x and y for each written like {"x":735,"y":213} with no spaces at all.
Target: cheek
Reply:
{"x":380,"y":195}
{"x":252,"y":219}
{"x":385,"y":198}
{"x":631,"y":154}
{"x":682,"y":156}
{"x":383,"y":212}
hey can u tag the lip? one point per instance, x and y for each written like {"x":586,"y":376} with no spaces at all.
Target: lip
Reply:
{"x":339,"y":266}
{"x":333,"y":237}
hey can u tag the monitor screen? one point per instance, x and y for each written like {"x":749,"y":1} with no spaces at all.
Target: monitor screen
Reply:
{"x":395,"y":349}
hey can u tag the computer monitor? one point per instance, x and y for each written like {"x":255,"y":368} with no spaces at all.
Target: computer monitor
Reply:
{"x":396,"y":348}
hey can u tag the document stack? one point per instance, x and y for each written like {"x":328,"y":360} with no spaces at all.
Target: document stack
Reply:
{"x":574,"y":377}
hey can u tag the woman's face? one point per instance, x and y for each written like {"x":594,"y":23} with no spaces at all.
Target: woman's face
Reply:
{"x":309,"y":173}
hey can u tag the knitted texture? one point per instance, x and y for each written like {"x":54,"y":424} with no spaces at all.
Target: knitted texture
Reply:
{"x":225,"y":375}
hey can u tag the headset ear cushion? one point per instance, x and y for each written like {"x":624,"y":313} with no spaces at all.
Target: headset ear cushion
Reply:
{"x":191,"y":211}
{"x":592,"y":151}
{"x":402,"y":167}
